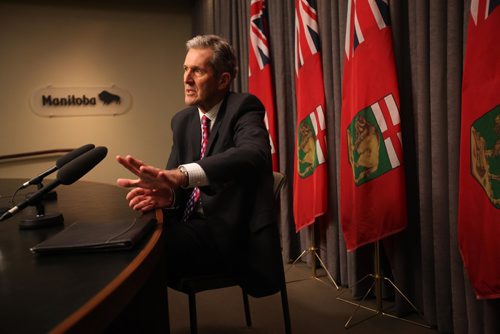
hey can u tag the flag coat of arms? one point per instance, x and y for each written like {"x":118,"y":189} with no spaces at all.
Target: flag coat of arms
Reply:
{"x":479,"y":185}
{"x":260,"y":82}
{"x":372,"y":185}
{"x":310,"y":176}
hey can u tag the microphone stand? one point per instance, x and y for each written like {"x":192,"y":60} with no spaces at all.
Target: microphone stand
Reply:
{"x":41,"y":219}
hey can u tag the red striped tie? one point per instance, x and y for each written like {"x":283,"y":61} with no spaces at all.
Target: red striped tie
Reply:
{"x":195,"y":195}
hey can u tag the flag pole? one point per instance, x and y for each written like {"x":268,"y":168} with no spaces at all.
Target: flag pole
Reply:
{"x":313,"y":251}
{"x":378,"y":279}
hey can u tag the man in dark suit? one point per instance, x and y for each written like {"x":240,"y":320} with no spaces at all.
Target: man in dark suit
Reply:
{"x":231,"y":168}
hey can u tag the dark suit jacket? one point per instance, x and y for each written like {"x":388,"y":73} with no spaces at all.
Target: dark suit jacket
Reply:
{"x":238,"y":203}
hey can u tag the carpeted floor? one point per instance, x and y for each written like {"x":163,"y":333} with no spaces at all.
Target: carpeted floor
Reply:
{"x":314,"y":309}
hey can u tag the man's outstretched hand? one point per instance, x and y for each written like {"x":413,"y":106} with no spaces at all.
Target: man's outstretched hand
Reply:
{"x":153,"y":187}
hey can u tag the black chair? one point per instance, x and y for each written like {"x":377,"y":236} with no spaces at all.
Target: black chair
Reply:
{"x":194,"y":284}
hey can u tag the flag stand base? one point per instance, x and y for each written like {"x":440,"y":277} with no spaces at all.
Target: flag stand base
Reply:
{"x":378,"y":278}
{"x":313,"y":251}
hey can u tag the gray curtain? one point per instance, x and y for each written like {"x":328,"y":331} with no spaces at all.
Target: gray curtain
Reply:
{"x":429,"y":40}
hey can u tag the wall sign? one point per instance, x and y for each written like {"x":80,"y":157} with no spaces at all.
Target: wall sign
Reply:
{"x":80,"y":101}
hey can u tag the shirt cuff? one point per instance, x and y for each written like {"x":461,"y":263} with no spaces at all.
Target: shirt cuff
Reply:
{"x":196,"y":175}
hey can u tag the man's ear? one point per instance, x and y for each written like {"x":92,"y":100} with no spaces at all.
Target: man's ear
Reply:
{"x":224,"y":80}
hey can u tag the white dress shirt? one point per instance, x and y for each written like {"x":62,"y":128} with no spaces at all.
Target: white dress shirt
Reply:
{"x":196,"y":174}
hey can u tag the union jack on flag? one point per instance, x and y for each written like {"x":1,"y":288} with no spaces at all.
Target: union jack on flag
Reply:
{"x":260,"y":82}
{"x":258,"y":32}
{"x":489,"y":6}
{"x":363,"y":19}
{"x":307,"y":40}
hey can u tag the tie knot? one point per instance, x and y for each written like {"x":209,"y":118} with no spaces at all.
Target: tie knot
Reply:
{"x":205,"y":120}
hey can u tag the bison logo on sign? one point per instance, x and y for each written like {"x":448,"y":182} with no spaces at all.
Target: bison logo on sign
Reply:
{"x":107,"y":98}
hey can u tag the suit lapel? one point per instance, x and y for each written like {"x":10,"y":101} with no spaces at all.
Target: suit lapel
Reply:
{"x":214,"y":132}
{"x":194,"y":135}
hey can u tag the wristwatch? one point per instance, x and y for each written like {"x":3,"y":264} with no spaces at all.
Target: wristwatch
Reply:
{"x":184,"y":171}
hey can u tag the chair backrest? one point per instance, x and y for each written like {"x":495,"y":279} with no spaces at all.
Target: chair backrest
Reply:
{"x":279,"y":183}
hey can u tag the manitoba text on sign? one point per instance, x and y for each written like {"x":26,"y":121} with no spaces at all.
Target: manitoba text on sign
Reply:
{"x":80,"y":101}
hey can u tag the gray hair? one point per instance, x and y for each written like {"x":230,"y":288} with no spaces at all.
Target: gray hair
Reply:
{"x":223,"y":59}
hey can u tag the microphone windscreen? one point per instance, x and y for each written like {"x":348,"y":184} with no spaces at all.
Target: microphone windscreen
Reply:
{"x":73,"y":154}
{"x":81,"y":165}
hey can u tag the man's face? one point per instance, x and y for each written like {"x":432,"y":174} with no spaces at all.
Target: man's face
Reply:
{"x":202,"y":87}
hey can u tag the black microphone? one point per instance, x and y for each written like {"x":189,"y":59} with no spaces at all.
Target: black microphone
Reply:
{"x":81,"y":165}
{"x":59,"y":163}
{"x":68,"y":174}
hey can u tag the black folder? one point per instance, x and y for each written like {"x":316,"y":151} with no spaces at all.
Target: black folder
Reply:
{"x":95,"y":235}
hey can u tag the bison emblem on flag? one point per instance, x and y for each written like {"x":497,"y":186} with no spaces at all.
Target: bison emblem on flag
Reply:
{"x":311,"y":142}
{"x":485,"y":154}
{"x":374,"y":140}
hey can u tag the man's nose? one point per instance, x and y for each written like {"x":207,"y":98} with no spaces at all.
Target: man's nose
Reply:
{"x":188,"y":76}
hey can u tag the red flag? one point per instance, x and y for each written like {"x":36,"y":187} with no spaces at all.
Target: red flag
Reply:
{"x":479,"y":188}
{"x":372,"y":185}
{"x":310,"y":176}
{"x":260,"y":79}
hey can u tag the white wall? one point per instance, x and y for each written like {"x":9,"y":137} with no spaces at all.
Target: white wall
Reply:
{"x":140,"y":50}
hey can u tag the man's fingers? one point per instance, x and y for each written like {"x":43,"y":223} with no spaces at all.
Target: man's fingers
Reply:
{"x":137,"y":192}
{"x":126,"y":163}
{"x":142,"y":203}
{"x":148,"y":172}
{"x":145,"y":206}
{"x":134,"y":162}
{"x":128,"y":183}
{"x":130,"y":163}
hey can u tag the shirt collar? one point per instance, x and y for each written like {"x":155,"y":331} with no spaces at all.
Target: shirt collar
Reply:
{"x":212,"y":113}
